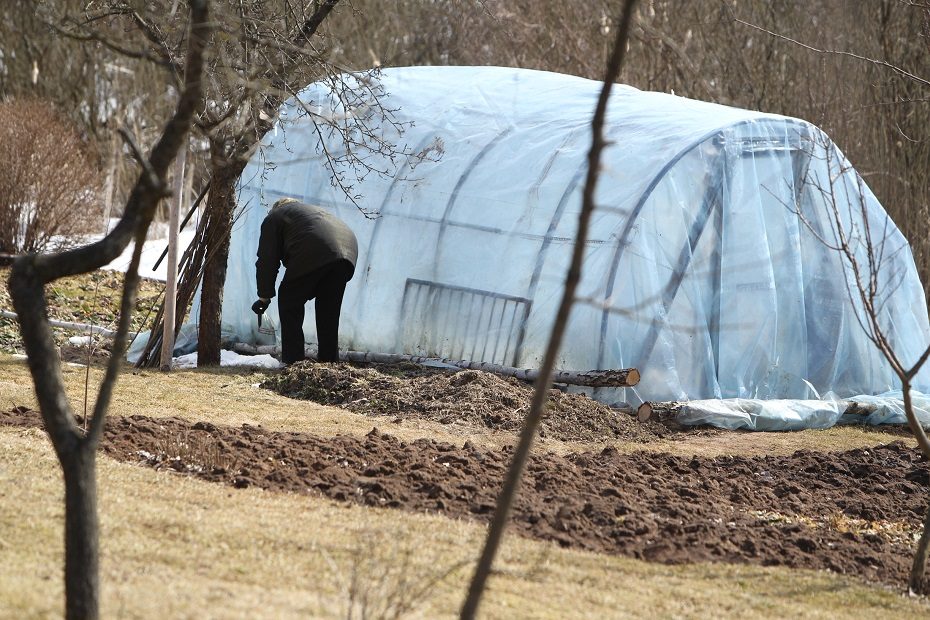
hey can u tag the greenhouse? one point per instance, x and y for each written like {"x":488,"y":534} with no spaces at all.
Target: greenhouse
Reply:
{"x":711,"y":264}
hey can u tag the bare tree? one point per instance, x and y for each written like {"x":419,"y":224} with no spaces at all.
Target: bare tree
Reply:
{"x":76,"y":448}
{"x":573,"y":276}
{"x":275,"y":51}
{"x":243,"y":110}
{"x":864,"y":247}
{"x":49,"y":190}
{"x":267,"y":52}
{"x":92,"y":85}
{"x":38,"y":66}
{"x":834,"y":207}
{"x":269,"y":56}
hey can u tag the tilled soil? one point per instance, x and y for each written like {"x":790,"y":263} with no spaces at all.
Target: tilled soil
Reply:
{"x":470,"y":397}
{"x":855,"y":512}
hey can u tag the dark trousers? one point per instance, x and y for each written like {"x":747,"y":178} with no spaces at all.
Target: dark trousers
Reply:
{"x":327,"y":285}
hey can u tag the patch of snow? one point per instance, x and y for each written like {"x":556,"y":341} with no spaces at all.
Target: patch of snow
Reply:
{"x":80,"y":341}
{"x":231,"y":358}
{"x":155,"y":244}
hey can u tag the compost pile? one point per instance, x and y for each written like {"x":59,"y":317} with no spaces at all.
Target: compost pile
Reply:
{"x":468,"y":397}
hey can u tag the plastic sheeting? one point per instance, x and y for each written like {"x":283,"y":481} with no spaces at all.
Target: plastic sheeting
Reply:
{"x":230,"y":358}
{"x":761,"y":415}
{"x":889,"y":408}
{"x":698,"y":270}
{"x":790,"y":415}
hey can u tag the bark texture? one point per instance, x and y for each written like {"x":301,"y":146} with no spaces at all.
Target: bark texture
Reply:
{"x":221,"y":205}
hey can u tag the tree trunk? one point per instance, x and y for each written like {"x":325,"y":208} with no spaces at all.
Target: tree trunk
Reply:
{"x":221,"y":205}
{"x":82,"y":560}
{"x":918,"y":568}
{"x":76,"y":449}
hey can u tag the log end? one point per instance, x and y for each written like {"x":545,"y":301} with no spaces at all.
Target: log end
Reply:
{"x":644,"y":412}
{"x":632,"y":377}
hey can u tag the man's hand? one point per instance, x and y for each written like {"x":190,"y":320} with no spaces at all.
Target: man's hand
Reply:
{"x":260,"y":305}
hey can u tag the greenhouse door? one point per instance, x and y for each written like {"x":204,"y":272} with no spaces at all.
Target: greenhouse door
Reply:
{"x":456,"y":322}
{"x":763,"y":345}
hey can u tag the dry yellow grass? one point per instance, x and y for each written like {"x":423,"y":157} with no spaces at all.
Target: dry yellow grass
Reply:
{"x":175,"y":547}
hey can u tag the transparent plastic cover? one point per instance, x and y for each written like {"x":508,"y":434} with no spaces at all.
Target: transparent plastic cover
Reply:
{"x":710,"y":266}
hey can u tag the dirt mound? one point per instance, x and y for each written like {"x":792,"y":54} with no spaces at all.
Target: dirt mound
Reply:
{"x":855,"y":512}
{"x":81,"y":354}
{"x":471,"y":397}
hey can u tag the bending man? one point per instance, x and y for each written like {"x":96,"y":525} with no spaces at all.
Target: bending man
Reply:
{"x":319,"y":253}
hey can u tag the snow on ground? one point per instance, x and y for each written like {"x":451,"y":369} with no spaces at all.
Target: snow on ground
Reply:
{"x":156,"y":242}
{"x":230,"y":358}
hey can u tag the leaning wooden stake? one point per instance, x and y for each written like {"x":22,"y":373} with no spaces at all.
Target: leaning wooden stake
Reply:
{"x":512,"y":480}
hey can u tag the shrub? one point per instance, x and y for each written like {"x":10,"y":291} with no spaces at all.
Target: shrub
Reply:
{"x":49,"y":189}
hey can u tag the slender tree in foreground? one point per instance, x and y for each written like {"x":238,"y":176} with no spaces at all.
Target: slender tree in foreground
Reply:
{"x":75,"y":448}
{"x":531,"y":424}
{"x":863,"y":247}
{"x":867,"y":250}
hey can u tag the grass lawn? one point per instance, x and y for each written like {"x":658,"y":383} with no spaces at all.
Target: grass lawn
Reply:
{"x":180,"y":548}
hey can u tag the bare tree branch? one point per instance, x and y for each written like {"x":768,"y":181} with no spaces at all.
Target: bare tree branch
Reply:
{"x":29,"y":275}
{"x":521,"y":454}
{"x":122,"y":50}
{"x":874,"y":61}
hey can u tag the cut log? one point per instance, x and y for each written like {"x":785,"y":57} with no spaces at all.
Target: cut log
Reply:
{"x":655,"y":411}
{"x":623,"y":377}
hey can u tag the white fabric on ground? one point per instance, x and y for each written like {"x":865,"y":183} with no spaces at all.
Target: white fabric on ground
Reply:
{"x":791,"y":415}
{"x":230,"y":358}
{"x":155,"y":244}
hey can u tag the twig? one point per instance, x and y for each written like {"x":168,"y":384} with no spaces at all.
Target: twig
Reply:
{"x":540,"y":393}
{"x":874,"y":61}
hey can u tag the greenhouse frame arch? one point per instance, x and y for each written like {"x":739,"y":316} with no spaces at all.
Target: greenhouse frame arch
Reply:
{"x":708,"y":268}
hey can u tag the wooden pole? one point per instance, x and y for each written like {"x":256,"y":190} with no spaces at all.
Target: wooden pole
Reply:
{"x":171,"y":279}
{"x":112,"y":184}
{"x":108,"y":193}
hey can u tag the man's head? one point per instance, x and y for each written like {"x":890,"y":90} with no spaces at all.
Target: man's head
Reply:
{"x":283,"y":201}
